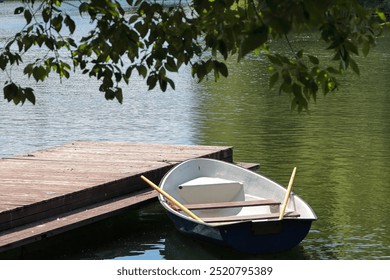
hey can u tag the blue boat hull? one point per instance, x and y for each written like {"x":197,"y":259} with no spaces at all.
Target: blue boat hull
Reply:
{"x":249,"y":237}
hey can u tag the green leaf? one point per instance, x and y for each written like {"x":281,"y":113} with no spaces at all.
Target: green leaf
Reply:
{"x":221,"y":68}
{"x":134,"y":2}
{"x":28,"y":16}
{"x":253,"y":40}
{"x":152,"y":81}
{"x":286,"y":87}
{"x":286,"y":76}
{"x":382,"y":16}
{"x":163,"y":82}
{"x":274,"y":59}
{"x":142,"y":71}
{"x":109,"y":94}
{"x":366,"y":48}
{"x":20,"y":45}
{"x":223,"y":48}
{"x":128,"y":72}
{"x":17,"y":94}
{"x":63,"y":70}
{"x":273,"y":79}
{"x":332,"y":70}
{"x":49,"y":42}
{"x":199,"y":69}
{"x":27,"y":42}
{"x":171,"y":83}
{"x":29,"y":94}
{"x":28,"y":70}
{"x":10,"y":91}
{"x":56,"y":22}
{"x":294,"y":104}
{"x":313,"y":59}
{"x":46,"y":14}
{"x":39,"y":73}
{"x":349,"y":46}
{"x":170,"y":65}
{"x":19,"y":10}
{"x":70,"y":24}
{"x":281,"y":25}
{"x":3,"y":61}
{"x":83,"y":7}
{"x":354,"y":66}
{"x":119,"y":95}
{"x":297,"y":90}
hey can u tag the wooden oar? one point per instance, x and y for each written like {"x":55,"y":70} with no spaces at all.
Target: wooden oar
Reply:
{"x":171,"y":199}
{"x":289,"y":188}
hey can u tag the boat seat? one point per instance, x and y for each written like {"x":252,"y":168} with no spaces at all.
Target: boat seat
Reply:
{"x":248,"y":217}
{"x":231,"y":204}
{"x":217,"y":190}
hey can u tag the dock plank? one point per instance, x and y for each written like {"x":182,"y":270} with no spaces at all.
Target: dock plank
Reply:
{"x":50,"y":227}
{"x":44,"y":185}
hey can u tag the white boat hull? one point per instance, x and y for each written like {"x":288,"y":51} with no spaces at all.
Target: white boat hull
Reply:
{"x":214,"y":182}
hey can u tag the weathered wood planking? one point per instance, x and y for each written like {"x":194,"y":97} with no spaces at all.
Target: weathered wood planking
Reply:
{"x":51,"y":183}
{"x":77,"y":174}
{"x":33,"y":232}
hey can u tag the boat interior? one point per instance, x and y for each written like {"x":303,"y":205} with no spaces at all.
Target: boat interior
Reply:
{"x":220,"y":200}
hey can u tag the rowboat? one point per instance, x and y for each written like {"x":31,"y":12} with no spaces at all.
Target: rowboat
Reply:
{"x":230,"y":205}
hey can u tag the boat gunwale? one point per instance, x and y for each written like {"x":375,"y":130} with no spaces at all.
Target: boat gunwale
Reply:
{"x":182,"y":215}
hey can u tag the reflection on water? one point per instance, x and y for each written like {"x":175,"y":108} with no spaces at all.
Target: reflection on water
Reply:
{"x":145,"y":234}
{"x":341,"y":149}
{"x":75,"y":109}
{"x":63,"y":116}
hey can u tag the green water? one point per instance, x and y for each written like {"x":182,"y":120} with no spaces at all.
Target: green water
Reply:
{"x":341,"y":149}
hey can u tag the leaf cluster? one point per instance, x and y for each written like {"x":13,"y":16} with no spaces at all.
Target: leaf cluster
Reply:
{"x":154,"y":40}
{"x":44,"y":27}
{"x":348,"y":30}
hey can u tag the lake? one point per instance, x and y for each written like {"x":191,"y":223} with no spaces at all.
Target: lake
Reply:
{"x":341,"y":150}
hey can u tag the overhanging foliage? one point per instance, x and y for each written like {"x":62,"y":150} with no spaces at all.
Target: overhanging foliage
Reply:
{"x":156,"y":38}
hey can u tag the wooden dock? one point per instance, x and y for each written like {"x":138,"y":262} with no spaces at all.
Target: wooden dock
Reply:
{"x":51,"y":191}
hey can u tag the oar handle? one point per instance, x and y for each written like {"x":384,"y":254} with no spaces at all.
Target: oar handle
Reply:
{"x":289,"y":188}
{"x":171,"y":199}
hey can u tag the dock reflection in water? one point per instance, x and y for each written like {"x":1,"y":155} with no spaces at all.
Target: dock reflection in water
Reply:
{"x":143,"y":234}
